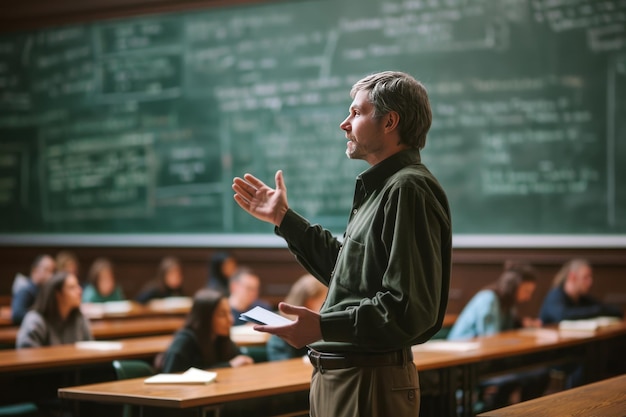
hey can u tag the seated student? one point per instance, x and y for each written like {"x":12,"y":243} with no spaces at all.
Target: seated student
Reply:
{"x":244,"y":293}
{"x":168,"y":282}
{"x":101,"y":285}
{"x":221,"y":268}
{"x":204,"y":341}
{"x":55,"y":318}
{"x":570,"y":299}
{"x":308,"y":292}
{"x":493,"y":310}
{"x":67,"y":261}
{"x":25,"y":289}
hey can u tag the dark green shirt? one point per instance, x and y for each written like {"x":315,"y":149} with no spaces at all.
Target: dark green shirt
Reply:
{"x":389,"y":278}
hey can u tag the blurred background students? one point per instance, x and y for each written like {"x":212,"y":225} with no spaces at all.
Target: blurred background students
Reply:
{"x":491,"y":311}
{"x":168,"y":282}
{"x":67,"y":261}
{"x":204,"y":341}
{"x":101,"y":284}
{"x":221,"y":268}
{"x":308,"y":292}
{"x":570,"y":299}
{"x":244,"y":293}
{"x":55,"y":318}
{"x":25,"y":289}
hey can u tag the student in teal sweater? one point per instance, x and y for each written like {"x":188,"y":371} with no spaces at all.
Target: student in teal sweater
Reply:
{"x":102,"y":286}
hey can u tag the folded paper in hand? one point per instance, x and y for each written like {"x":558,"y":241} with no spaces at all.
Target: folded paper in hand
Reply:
{"x":261,"y":315}
{"x":190,"y":376}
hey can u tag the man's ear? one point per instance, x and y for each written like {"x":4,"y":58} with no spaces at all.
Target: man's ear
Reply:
{"x":391,"y":121}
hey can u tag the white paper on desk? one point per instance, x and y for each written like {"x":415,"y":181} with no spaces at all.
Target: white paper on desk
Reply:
{"x":190,"y":376}
{"x":117,"y":307}
{"x":588,"y":324}
{"x":261,"y":315}
{"x":447,"y":346}
{"x":98,"y":345}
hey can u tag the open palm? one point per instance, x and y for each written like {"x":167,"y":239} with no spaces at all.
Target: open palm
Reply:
{"x":260,"y":200}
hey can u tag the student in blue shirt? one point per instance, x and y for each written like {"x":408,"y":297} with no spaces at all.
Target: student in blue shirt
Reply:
{"x":25,"y":289}
{"x":491,"y":311}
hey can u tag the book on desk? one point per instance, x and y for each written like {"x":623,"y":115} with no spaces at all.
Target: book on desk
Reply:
{"x":588,"y":324}
{"x":191,"y":376}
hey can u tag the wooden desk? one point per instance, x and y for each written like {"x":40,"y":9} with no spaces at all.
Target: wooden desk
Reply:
{"x":605,"y":398}
{"x":281,"y":377}
{"x":167,"y":307}
{"x":115,"y":328}
{"x":71,"y":356}
{"x":232,"y":384}
{"x":5,"y":315}
{"x":518,"y":349}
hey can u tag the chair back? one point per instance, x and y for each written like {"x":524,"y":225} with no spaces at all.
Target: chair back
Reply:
{"x":132,"y":368}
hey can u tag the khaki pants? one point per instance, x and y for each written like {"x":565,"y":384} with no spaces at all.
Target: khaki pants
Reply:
{"x":384,"y":391}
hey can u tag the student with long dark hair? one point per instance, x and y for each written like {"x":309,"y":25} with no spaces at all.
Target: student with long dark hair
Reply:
{"x":55,"y":318}
{"x":204,"y":341}
{"x":221,"y":268}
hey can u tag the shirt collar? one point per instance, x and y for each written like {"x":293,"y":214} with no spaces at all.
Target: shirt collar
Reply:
{"x":375,"y":176}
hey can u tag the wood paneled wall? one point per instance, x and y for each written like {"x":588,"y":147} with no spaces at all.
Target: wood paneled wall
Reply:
{"x":472,"y":268}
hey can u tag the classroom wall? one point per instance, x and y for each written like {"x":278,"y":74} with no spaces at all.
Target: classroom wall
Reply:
{"x":471,"y":270}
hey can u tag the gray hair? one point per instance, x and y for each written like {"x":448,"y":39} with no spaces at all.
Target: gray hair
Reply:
{"x":399,"y":92}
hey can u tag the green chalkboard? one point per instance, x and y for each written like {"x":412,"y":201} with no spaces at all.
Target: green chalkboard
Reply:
{"x":138,"y":125}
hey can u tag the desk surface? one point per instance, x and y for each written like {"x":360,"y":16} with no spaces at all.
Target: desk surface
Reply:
{"x":605,"y":398}
{"x":294,"y":375}
{"x":129,"y":309}
{"x":116,"y":328}
{"x":45,"y":358}
{"x":139,"y":327}
{"x":517,"y":342}
{"x":71,"y":356}
{"x":232,"y":384}
{"x":172,"y":306}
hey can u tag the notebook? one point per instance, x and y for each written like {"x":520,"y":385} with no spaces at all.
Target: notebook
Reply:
{"x":190,"y":376}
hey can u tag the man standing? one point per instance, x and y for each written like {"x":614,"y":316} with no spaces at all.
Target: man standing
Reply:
{"x":388,"y":279}
{"x":25,"y":291}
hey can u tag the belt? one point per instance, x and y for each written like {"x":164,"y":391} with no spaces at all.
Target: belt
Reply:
{"x":324,"y":361}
